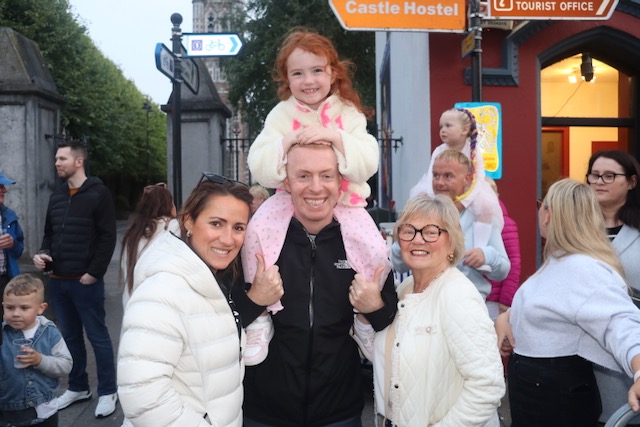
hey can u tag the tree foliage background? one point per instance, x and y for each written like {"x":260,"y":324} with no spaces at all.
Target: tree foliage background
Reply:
{"x":263,"y":26}
{"x":102,"y":105}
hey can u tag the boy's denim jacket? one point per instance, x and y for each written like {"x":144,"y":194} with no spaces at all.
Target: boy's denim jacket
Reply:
{"x":29,"y":387}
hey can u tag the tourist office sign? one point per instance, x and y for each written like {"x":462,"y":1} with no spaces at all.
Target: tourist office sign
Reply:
{"x":401,"y":15}
{"x":551,"y":9}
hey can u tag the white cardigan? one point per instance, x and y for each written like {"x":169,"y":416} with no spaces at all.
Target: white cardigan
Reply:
{"x":179,"y":355}
{"x":445,"y":369}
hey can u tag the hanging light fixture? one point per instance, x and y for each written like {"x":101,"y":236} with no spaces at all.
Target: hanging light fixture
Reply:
{"x":586,"y":68}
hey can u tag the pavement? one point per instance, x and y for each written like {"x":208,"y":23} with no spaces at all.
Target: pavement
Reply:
{"x":81,"y":414}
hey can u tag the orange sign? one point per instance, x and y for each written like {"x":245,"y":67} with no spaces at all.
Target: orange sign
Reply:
{"x":552,"y":9}
{"x":401,"y":15}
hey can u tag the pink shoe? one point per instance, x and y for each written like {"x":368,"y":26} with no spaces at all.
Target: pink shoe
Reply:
{"x":259,"y":334}
{"x":363,"y":334}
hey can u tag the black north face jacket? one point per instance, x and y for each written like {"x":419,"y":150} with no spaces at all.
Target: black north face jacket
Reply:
{"x":312,"y":375}
{"x":80,"y":231}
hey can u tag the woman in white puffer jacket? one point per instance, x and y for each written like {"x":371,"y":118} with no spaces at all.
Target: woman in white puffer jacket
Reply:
{"x":180,"y":356}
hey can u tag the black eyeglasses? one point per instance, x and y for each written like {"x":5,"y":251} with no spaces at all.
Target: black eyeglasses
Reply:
{"x":218,"y":179}
{"x":607,"y":177}
{"x":430,"y":232}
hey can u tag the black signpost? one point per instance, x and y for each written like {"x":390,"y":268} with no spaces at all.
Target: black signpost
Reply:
{"x":180,"y":67}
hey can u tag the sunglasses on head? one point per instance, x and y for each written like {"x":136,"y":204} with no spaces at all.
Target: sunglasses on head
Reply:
{"x":218,"y":179}
{"x":151,"y":187}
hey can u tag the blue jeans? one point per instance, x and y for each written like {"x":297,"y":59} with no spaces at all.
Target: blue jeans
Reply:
{"x":351,"y":422}
{"x":76,"y":306}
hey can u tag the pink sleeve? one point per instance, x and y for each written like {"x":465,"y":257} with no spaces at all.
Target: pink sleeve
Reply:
{"x":265,"y":235}
{"x":365,"y":247}
{"x":512,"y":246}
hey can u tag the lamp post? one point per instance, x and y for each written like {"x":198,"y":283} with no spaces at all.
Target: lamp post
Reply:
{"x":147,"y":107}
{"x":476,"y":55}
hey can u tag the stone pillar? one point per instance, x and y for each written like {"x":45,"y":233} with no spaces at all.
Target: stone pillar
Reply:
{"x":203,"y":127}
{"x":29,"y":111}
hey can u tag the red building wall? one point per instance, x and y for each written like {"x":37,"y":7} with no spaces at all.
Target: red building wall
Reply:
{"x":520,"y":110}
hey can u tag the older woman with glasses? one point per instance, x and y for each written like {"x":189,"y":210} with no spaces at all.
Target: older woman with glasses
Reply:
{"x":180,"y":356}
{"x":614,"y":177}
{"x":573,"y":312}
{"x":155,"y":213}
{"x":436,"y":364}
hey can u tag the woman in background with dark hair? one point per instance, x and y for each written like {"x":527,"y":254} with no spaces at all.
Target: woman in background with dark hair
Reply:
{"x":155,"y":214}
{"x":180,"y":357}
{"x":614,"y":177}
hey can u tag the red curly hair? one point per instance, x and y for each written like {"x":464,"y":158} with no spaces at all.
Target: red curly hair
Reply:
{"x":341,"y":70}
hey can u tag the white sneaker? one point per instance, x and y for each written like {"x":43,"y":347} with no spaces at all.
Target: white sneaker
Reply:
{"x":259,"y":334}
{"x":69,"y":397}
{"x":106,"y":405}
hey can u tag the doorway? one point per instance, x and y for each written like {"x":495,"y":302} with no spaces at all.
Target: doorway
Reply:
{"x":582,"y":114}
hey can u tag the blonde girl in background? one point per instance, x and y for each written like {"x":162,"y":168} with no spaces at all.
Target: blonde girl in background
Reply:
{"x":459,"y":131}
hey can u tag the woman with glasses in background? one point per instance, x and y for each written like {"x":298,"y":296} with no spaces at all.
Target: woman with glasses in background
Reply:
{"x":155,"y":213}
{"x":614,"y":177}
{"x":180,"y":356}
{"x":436,"y":364}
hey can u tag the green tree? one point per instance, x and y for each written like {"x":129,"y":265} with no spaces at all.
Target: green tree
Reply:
{"x":102,"y":106}
{"x":263,"y":26}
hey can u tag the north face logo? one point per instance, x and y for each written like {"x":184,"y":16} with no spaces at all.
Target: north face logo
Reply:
{"x":342,"y":264}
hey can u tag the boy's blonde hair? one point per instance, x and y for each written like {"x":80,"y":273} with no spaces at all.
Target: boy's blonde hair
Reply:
{"x":25,"y":284}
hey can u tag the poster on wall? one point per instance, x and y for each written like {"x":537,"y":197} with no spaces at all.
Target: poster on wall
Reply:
{"x":489,"y":122}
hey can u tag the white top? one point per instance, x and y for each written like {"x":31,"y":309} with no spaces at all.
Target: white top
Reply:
{"x":576,"y":305}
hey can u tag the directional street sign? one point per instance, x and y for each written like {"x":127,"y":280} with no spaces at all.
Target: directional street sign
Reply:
{"x":190,"y":73}
{"x":165,"y":60}
{"x":165,"y":63}
{"x":212,"y":44}
{"x":552,"y":9}
{"x":401,"y":15}
{"x":468,"y":44}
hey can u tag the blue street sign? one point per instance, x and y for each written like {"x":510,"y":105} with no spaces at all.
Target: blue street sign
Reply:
{"x":165,"y":60}
{"x":212,"y":44}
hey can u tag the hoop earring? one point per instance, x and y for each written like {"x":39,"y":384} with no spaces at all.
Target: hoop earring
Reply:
{"x":189,"y":234}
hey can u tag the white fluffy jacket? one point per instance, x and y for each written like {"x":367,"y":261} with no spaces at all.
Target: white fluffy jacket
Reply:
{"x":445,"y":369}
{"x":360,"y":161}
{"x":179,"y":355}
